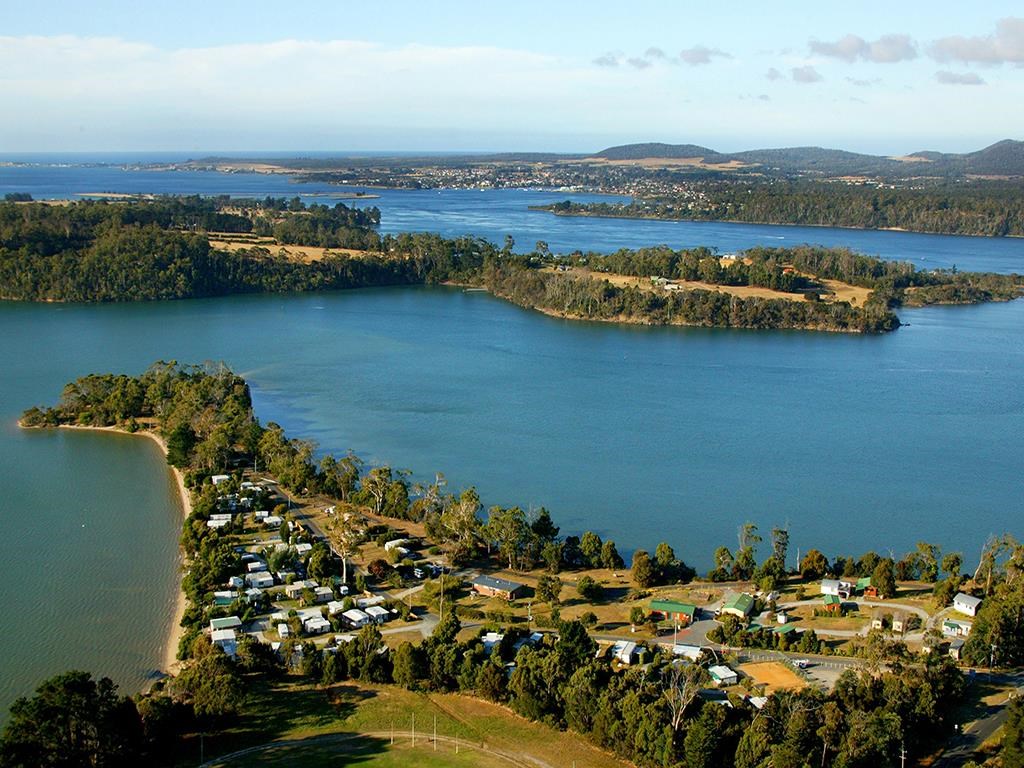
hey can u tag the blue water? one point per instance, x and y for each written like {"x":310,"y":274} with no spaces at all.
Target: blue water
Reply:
{"x":641,"y":434}
{"x":493,"y":214}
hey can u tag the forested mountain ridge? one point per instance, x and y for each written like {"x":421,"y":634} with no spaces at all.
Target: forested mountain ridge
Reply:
{"x":1004,"y":158}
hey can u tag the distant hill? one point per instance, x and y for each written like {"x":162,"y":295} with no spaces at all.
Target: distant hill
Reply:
{"x":1004,"y":158}
{"x":659,"y":151}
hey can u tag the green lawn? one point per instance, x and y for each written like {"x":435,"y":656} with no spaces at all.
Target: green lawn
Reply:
{"x":351,"y":724}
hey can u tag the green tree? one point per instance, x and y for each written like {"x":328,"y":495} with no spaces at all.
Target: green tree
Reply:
{"x":548,"y":589}
{"x":644,"y":573}
{"x":590,"y":548}
{"x":209,"y":683}
{"x":883,"y":578}
{"x":610,"y":557}
{"x":492,"y":683}
{"x":814,"y":565}
{"x":589,"y":589}
{"x":1012,"y":754}
{"x":72,"y":720}
{"x":409,"y":666}
{"x":508,"y":529}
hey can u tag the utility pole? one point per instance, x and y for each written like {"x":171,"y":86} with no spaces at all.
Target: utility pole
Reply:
{"x":903,"y":757}
{"x":435,"y":733}
{"x":414,"y":729}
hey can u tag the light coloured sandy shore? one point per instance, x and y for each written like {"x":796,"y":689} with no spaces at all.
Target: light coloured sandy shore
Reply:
{"x":170,"y":662}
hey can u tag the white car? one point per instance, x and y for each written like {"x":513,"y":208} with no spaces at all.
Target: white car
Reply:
{"x":802,"y":663}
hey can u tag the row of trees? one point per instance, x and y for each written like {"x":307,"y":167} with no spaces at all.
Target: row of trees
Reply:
{"x":652,"y":715}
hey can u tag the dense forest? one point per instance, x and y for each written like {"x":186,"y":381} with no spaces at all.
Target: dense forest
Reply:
{"x":161,"y":249}
{"x":652,"y":714}
{"x":992,"y":209}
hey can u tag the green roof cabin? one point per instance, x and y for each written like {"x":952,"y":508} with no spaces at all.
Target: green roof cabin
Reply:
{"x":739,"y":605}
{"x":671,"y":610}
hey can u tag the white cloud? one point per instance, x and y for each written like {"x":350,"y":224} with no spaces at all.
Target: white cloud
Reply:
{"x":700,"y":54}
{"x":1005,"y":45}
{"x":955,"y":78}
{"x":806,"y":74}
{"x":888,"y":49}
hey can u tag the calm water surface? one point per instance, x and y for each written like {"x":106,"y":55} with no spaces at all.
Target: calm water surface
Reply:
{"x":642,"y":434}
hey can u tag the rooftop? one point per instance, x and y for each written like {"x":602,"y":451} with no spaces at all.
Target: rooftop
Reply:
{"x":494,"y":582}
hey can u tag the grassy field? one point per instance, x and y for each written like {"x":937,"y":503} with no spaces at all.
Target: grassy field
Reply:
{"x":841,"y":291}
{"x":303,"y":253}
{"x":288,"y":723}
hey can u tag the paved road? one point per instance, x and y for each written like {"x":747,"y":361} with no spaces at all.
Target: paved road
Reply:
{"x":963,"y":747}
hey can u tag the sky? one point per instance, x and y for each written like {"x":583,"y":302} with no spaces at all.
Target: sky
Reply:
{"x":887,"y":78}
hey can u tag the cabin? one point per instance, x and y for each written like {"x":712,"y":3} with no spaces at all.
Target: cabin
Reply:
{"x":253,"y":594}
{"x":740,"y":605}
{"x":335,"y":606}
{"x":966,"y":604}
{"x":836,"y":588}
{"x":225,"y":622}
{"x":236,"y":582}
{"x":259,"y":579}
{"x":866,"y":588}
{"x":218,"y":479}
{"x":224,"y":597}
{"x":832,"y":604}
{"x":294,"y":590}
{"x":256,"y":566}
{"x":323,"y":594}
{"x":624,"y":652}
{"x":356,"y":618}
{"x":283,"y":630}
{"x":723,"y":675}
{"x":899,"y":622}
{"x":956,"y":647}
{"x":316,"y":625}
{"x":492,"y":586}
{"x":395,"y":544}
{"x":225,"y":640}
{"x":878,"y":621}
{"x":956,"y":628}
{"x":491,"y":640}
{"x":688,"y":652}
{"x":676,"y":612}
{"x":377,"y":614}
{"x":787,"y":630}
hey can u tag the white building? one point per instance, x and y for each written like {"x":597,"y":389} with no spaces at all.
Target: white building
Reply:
{"x":323,"y":594}
{"x":624,"y":651}
{"x":377,"y":614}
{"x":218,"y":479}
{"x":356,"y":618}
{"x":836,"y":587}
{"x":225,"y":640}
{"x":260,"y":580}
{"x":966,"y":604}
{"x":316,"y":625}
{"x":723,"y":675}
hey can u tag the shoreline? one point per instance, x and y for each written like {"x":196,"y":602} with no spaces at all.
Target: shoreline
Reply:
{"x":588,"y":215}
{"x":169,"y":664}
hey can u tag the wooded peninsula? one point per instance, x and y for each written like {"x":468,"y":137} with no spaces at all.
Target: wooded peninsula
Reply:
{"x":992,"y":209}
{"x":190,"y":247}
{"x":668,"y":711}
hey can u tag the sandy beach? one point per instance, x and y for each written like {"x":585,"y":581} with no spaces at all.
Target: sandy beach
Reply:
{"x":170,"y":663}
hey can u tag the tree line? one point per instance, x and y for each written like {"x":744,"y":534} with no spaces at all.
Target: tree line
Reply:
{"x":991,"y":209}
